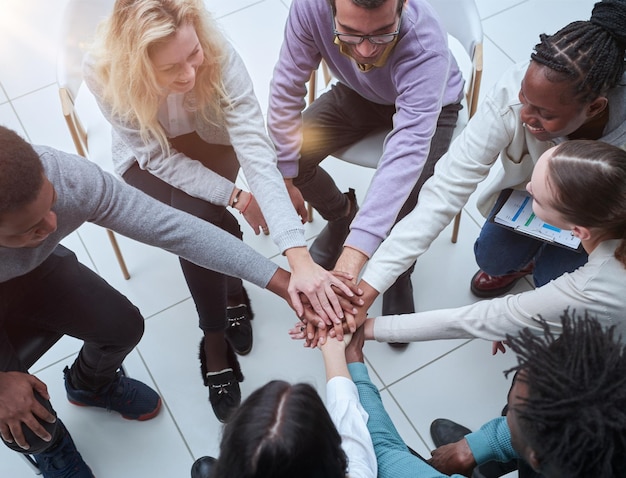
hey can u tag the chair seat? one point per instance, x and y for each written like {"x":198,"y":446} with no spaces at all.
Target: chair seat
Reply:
{"x":368,"y":151}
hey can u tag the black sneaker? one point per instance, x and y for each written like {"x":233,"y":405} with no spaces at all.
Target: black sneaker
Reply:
{"x":131,"y":398}
{"x":63,"y":460}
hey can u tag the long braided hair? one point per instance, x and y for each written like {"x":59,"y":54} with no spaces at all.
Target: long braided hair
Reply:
{"x":590,"y":54}
{"x":574,"y":417}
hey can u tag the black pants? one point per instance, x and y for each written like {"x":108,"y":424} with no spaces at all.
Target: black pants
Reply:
{"x":210,"y":290}
{"x":64,"y":296}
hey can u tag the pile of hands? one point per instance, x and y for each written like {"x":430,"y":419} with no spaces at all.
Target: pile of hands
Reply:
{"x":337,"y":319}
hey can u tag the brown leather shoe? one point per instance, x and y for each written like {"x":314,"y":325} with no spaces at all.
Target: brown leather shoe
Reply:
{"x":485,"y":286}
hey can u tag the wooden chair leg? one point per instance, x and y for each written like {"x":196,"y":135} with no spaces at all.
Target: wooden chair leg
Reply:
{"x":455,"y":228}
{"x":118,"y":254}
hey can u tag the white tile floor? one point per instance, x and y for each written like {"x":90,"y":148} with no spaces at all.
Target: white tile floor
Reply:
{"x":456,"y":379}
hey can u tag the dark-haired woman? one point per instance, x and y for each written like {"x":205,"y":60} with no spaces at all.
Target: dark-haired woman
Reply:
{"x":573,"y":88}
{"x":285,"y":431}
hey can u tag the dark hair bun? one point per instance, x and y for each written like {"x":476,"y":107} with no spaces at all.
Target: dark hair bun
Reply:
{"x":611,"y":15}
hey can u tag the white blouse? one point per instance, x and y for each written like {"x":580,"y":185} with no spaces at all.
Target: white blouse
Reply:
{"x":344,"y":407}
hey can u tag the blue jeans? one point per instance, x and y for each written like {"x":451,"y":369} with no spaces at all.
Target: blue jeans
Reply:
{"x":500,"y":251}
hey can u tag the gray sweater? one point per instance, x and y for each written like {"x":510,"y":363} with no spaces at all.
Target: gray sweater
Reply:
{"x":88,"y":194}
{"x":242,"y":127}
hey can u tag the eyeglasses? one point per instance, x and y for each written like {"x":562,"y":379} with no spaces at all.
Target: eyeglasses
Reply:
{"x":350,"y":39}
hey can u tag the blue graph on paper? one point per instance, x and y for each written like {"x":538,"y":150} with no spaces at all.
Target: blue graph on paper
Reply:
{"x":518,"y":214}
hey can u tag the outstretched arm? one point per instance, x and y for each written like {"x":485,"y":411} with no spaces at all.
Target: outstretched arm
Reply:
{"x":393,"y":456}
{"x":342,"y":401}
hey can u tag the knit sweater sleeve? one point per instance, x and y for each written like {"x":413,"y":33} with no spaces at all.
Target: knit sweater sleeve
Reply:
{"x":298,"y":56}
{"x":492,"y":442}
{"x":394,"y":458}
{"x":255,"y":152}
{"x":457,"y":174}
{"x":86,"y":193}
{"x":175,"y":168}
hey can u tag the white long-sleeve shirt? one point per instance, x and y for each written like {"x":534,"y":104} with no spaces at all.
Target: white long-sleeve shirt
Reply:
{"x":495,"y":133}
{"x":346,"y":412}
{"x":598,"y":287}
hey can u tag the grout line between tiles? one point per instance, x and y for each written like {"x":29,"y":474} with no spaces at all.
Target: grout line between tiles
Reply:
{"x":164,"y":403}
{"x":391,"y":384}
{"x":503,"y":10}
{"x":239,"y":10}
{"x":23,"y":95}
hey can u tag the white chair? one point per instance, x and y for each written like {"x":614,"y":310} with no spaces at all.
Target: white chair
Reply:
{"x":91,"y":132}
{"x":465,"y":35}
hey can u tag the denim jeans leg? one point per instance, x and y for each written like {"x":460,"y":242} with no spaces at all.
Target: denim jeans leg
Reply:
{"x":500,"y":251}
{"x":554,"y":261}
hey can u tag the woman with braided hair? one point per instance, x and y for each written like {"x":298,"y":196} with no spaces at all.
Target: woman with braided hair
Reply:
{"x":573,"y":88}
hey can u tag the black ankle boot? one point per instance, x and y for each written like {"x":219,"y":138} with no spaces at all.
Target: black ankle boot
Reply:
{"x":239,"y":328}
{"x":224,"y":391}
{"x":327,"y":248}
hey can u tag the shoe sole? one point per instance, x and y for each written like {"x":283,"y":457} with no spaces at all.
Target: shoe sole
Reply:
{"x":140,"y":418}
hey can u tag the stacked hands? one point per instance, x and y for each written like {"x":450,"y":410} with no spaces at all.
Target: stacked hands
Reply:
{"x":341,"y":311}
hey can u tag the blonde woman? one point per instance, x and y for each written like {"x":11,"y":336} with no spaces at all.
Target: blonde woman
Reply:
{"x":185,"y":119}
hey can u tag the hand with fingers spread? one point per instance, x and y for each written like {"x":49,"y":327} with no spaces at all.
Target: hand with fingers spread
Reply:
{"x":19,"y":406}
{"x":328,"y":294}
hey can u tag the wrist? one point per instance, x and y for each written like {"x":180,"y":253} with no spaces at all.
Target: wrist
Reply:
{"x":235,"y":198}
{"x":296,"y":255}
{"x":244,"y":202}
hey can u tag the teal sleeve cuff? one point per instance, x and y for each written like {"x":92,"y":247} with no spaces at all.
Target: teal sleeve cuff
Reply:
{"x":358,"y":371}
{"x":492,"y":442}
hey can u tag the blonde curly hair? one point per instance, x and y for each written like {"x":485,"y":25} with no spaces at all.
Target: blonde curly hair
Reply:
{"x":125,"y":70}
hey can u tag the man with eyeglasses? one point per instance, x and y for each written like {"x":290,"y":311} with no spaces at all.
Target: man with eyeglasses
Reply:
{"x":394,"y":71}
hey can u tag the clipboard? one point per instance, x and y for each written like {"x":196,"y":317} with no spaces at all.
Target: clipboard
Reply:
{"x":516,"y":214}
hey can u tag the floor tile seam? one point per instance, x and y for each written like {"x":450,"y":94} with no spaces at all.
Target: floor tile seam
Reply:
{"x":164,"y":402}
{"x":32,"y":371}
{"x":175,"y":304}
{"x":422,"y":367}
{"x":424,"y":442}
{"x":19,"y":119}
{"x":4,"y":92}
{"x":84,"y":244}
{"x":370,"y":367}
{"x":23,"y":95}
{"x":495,"y":14}
{"x":495,"y":43}
{"x":226,"y":15}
